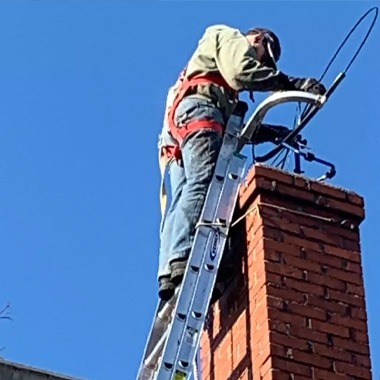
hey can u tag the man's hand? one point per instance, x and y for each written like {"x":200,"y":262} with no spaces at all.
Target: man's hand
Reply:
{"x":276,"y":134}
{"x":309,"y":85}
{"x":270,"y":133}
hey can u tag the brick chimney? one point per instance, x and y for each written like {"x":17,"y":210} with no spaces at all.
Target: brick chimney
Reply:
{"x":296,"y":308}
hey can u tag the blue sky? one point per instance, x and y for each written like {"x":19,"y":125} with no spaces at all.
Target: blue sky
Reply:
{"x":82,"y":91}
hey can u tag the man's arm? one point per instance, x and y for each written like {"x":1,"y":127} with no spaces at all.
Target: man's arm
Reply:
{"x":236,"y":61}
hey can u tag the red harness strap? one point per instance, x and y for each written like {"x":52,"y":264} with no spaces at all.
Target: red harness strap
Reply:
{"x":184,"y":85}
{"x":172,"y":151}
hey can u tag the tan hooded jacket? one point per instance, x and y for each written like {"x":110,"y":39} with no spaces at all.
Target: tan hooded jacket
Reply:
{"x":226,"y":51}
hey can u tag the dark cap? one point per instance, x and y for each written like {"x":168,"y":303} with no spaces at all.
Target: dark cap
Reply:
{"x":271,"y":43}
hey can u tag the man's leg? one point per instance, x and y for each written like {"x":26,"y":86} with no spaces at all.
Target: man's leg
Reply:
{"x":177,"y":181}
{"x":200,"y":152}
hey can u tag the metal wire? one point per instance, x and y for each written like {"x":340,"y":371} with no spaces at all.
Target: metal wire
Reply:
{"x":376,"y":10}
{"x":309,"y":110}
{"x":284,"y":160}
{"x":276,"y":158}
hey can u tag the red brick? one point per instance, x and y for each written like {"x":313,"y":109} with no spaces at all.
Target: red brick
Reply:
{"x":321,"y":374}
{"x":305,"y":287}
{"x":258,"y":307}
{"x":252,"y":224}
{"x":325,"y":189}
{"x":347,"y":208}
{"x":274,"y":302}
{"x":259,"y":255}
{"x":351,"y":277}
{"x":287,"y":340}
{"x":256,"y":276}
{"x":307,"y":311}
{"x":355,"y":198}
{"x":342,"y":253}
{"x":347,"y":298}
{"x":273,"y":279}
{"x":285,"y":294}
{"x":361,"y":336}
{"x":301,"y":263}
{"x":294,"y":192}
{"x":311,"y":359}
{"x":286,"y":317}
{"x":254,"y":239}
{"x":326,"y":304}
{"x":282,"y":225}
{"x":322,"y":258}
{"x":272,"y":233}
{"x":260,"y":351}
{"x":260,"y":334}
{"x":363,"y":361}
{"x":332,"y":352}
{"x":351,"y":234}
{"x":282,"y":247}
{"x":352,"y":267}
{"x":275,"y":174}
{"x":265,"y":184}
{"x":350,"y":345}
{"x":294,"y":355}
{"x":283,"y":270}
{"x":330,"y":328}
{"x":348,"y":369}
{"x":351,"y":245}
{"x":302,"y":219}
{"x":279,"y":327}
{"x":302,"y":242}
{"x":309,"y":334}
{"x":322,"y":236}
{"x":327,"y":281}
{"x":255,"y":288}
{"x":291,"y":367}
{"x":348,"y":322}
{"x":359,"y":313}
{"x":247,"y":196}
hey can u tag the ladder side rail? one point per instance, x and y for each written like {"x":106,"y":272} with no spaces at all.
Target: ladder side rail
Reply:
{"x":207,"y":278}
{"x":201,"y":243}
{"x":147,"y":368}
{"x":176,"y":330}
{"x":154,"y":338}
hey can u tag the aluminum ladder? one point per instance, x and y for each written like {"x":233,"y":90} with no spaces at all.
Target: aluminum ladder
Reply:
{"x":175,"y":333}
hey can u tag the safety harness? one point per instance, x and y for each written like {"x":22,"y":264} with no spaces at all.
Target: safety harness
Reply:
{"x":184,"y":85}
{"x":171,"y":152}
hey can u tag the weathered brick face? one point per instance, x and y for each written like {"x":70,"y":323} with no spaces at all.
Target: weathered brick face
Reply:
{"x":296,"y":310}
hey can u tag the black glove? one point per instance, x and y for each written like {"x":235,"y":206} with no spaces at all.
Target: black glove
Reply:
{"x":308,"y":85}
{"x":269,"y":133}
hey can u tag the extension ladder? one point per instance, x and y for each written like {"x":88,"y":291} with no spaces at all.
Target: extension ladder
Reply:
{"x":174,"y":337}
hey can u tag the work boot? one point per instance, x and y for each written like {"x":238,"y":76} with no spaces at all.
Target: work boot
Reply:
{"x":166,"y":288}
{"x":178,"y":268}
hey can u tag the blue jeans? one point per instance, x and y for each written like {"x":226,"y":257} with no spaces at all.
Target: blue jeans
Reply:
{"x":189,"y":184}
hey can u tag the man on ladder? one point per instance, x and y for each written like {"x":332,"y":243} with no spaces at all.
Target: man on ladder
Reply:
{"x":225,"y":63}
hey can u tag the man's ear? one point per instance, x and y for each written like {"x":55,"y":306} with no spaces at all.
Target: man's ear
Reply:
{"x":259,"y":38}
